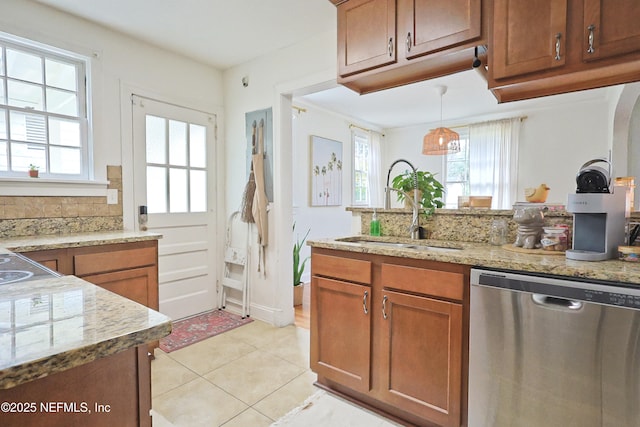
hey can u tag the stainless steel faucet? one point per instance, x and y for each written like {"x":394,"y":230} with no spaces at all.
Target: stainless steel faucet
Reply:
{"x":414,"y":228}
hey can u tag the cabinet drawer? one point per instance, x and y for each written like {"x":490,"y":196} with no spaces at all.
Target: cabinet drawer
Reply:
{"x":101,"y":262}
{"x":353,"y":270}
{"x":437,"y":283}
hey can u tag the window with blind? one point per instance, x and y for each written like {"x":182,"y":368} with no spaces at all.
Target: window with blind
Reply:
{"x":457,"y":172}
{"x":43,"y":111}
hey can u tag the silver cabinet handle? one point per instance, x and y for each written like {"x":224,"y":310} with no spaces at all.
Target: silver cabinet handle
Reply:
{"x":409,"y":41}
{"x":390,"y":46}
{"x":384,"y":307}
{"x":591,"y":29}
{"x":364,"y":302}
{"x":558,"y":37}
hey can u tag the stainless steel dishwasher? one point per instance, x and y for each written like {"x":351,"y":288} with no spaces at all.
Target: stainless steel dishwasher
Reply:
{"x":550,"y":352}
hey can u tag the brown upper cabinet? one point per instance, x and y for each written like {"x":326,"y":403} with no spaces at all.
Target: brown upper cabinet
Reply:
{"x":546,"y":47}
{"x":388,"y":43}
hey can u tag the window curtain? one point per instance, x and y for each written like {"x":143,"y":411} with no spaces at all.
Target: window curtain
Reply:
{"x":493,"y":161}
{"x":375,"y":178}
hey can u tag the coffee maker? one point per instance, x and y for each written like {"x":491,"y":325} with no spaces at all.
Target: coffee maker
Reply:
{"x":599,"y":215}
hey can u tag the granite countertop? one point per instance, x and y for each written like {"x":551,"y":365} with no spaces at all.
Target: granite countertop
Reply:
{"x":54,"y":324}
{"x":61,"y":241}
{"x":485,"y":255}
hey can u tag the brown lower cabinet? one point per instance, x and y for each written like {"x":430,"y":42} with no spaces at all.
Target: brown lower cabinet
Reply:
{"x":392,"y":334}
{"x":112,"y":391}
{"x":127,"y":269}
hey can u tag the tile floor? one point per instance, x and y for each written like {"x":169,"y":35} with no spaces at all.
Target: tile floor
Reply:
{"x":249,"y":376}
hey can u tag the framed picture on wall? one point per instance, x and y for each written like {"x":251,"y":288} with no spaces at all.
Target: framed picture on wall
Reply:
{"x":326,"y":172}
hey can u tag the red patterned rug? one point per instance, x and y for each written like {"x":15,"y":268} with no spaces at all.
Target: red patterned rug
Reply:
{"x":202,"y":326}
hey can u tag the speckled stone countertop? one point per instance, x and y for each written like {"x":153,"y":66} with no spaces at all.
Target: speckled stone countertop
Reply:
{"x":54,"y":324}
{"x":61,"y":241}
{"x":485,"y":255}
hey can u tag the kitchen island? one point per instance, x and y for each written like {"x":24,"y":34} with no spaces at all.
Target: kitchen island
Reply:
{"x":73,"y":353}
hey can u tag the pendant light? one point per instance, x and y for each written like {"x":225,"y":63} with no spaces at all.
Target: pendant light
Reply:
{"x":441,"y":140}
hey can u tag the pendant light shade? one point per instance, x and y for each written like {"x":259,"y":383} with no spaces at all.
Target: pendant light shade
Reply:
{"x":441,"y":140}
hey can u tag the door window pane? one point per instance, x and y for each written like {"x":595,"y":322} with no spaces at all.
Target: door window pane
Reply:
{"x":197,"y":146}
{"x":156,"y":189}
{"x":177,"y":143}
{"x":62,"y":102}
{"x":156,"y":140}
{"x":61,"y":75}
{"x":198,"y":191}
{"x":3,"y":99}
{"x":65,"y":160}
{"x":24,"y":66}
{"x":25,"y":95}
{"x":178,"y":191}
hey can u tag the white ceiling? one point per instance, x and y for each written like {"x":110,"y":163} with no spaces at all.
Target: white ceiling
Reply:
{"x":226,"y":33}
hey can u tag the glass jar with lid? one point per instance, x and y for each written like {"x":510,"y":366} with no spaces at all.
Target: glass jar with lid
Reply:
{"x":554,"y":239}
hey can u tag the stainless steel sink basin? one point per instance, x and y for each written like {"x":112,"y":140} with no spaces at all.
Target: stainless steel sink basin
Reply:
{"x":419,"y":246}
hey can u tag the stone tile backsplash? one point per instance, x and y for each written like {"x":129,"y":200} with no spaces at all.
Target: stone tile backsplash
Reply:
{"x":30,"y":216}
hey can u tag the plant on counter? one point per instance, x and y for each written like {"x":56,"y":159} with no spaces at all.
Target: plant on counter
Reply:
{"x":430,"y":189}
{"x":33,"y":170}
{"x":298,"y":268}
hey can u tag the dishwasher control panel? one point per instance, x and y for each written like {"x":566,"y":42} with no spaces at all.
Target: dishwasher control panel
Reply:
{"x":555,"y":287}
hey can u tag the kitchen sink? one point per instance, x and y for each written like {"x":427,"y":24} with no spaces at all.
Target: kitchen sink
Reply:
{"x":419,"y":246}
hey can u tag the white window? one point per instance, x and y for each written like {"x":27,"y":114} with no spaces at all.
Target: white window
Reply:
{"x":457,"y":172}
{"x":43,"y":111}
{"x":361,"y":168}
{"x":176,"y":166}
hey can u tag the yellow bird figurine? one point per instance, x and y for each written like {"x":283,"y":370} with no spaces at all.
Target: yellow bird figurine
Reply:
{"x":537,"y":195}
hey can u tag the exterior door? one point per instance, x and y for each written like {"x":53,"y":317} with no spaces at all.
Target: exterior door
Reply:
{"x":173,"y":151}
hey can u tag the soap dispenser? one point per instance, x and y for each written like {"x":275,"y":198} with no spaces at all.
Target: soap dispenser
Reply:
{"x":374,"y":228}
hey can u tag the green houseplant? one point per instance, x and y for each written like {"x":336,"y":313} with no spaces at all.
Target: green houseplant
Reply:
{"x":298,"y":268}
{"x":430,"y":189}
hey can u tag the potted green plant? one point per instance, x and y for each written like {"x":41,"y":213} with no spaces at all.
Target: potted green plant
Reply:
{"x":298,"y":268}
{"x":33,"y":171}
{"x":430,"y":190}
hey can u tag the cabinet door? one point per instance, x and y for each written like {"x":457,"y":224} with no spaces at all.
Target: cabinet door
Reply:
{"x":528,"y":36}
{"x":422,"y":360}
{"x":432,"y":25}
{"x":341,"y":332}
{"x":138,"y":284}
{"x":366,"y":35}
{"x":611,"y":27}
{"x":54,"y":259}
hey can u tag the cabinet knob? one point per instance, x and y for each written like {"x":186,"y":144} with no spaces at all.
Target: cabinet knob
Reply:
{"x":409,"y":41}
{"x":390,"y":46}
{"x":364,"y":302}
{"x":591,"y":29}
{"x":384,"y":307}
{"x":558,"y":37}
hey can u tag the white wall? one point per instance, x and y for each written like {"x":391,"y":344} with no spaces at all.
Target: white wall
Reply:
{"x":554,"y":143}
{"x":273,"y":79}
{"x":322,"y":221}
{"x":116,"y":60}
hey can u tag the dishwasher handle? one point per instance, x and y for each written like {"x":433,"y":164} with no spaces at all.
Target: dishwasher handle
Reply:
{"x":555,"y":302}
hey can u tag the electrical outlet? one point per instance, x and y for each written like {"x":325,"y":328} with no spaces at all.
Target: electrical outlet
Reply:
{"x":112,"y":196}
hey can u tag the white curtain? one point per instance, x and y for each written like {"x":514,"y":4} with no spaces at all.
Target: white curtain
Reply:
{"x":493,"y":161}
{"x":376,"y":196}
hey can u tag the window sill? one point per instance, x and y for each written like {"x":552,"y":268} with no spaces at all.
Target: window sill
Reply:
{"x":52,"y":187}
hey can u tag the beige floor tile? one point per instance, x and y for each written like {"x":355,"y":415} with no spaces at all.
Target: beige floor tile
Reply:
{"x":254,"y":376}
{"x":293,"y":347}
{"x":158,"y":420}
{"x":167,"y":374}
{"x":249,"y":418}
{"x":259,"y":334}
{"x":212,"y":353}
{"x":288,"y":397}
{"x":197,"y":403}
